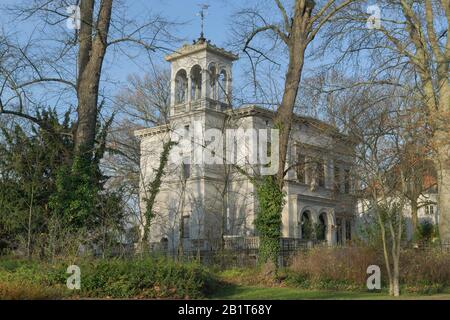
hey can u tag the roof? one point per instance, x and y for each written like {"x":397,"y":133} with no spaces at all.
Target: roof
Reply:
{"x":200,"y":45}
{"x":151,"y":131}
{"x":253,"y":110}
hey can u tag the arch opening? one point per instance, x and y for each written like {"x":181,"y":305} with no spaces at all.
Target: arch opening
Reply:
{"x":306,"y":225}
{"x":321,"y":231}
{"x":196,"y":83}
{"x":181,"y":86}
{"x":223,"y":86}
{"x":212,"y":82}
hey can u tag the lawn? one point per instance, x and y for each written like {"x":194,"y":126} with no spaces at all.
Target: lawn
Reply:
{"x":284,"y":293}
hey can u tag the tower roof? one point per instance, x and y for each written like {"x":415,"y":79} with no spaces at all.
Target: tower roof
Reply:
{"x":199,"y":45}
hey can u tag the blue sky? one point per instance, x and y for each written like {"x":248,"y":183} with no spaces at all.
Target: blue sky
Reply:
{"x":117,"y":67}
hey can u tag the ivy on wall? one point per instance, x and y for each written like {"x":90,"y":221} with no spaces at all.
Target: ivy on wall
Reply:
{"x":268,"y":222}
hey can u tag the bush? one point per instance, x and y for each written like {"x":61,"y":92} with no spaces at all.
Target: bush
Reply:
{"x":114,"y":278}
{"x":426,"y":230}
{"x":332,"y":268}
{"x":421,"y":271}
{"x":425,"y":270}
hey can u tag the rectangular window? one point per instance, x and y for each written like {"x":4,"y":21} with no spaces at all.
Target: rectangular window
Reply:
{"x":347,"y":181}
{"x":337,"y":178}
{"x":185,"y":226}
{"x":348,"y":230}
{"x":321,"y":173}
{"x":186,"y":168}
{"x":339,"y":230}
{"x":301,"y":168}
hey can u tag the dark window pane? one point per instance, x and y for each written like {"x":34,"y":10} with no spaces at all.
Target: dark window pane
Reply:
{"x":347,"y":181}
{"x":301,"y":169}
{"x":185,"y":227}
{"x":337,"y":178}
{"x":348,"y":230}
{"x":321,"y":173}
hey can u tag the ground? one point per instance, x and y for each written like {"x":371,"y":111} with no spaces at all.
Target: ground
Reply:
{"x":284,"y":293}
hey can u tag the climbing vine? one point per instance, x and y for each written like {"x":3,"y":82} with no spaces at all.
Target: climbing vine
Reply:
{"x":268,"y":222}
{"x":154,"y":187}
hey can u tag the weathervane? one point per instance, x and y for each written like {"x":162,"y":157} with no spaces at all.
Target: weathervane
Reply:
{"x":202,"y":14}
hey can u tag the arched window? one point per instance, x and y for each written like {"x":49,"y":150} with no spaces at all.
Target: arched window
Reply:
{"x":223,"y":86}
{"x":164,"y":243}
{"x":321,"y":231}
{"x":196,"y":83}
{"x":181,"y":85}
{"x":306,"y":225}
{"x":212,"y":82}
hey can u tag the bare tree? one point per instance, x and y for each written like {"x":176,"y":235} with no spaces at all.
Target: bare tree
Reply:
{"x":74,"y":58}
{"x":410,"y":47}
{"x":296,"y":31}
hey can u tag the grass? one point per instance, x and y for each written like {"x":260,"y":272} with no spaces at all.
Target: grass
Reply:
{"x":286,"y":293}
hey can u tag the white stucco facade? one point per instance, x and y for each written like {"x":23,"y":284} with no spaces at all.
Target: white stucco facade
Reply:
{"x":201,"y":202}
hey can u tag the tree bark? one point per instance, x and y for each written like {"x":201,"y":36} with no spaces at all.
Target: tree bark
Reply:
{"x":414,"y":217}
{"x":30,"y":213}
{"x":443,"y":172}
{"x":297,"y":43}
{"x":93,"y":44}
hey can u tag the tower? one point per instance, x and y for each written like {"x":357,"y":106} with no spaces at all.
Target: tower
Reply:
{"x":201,"y":78}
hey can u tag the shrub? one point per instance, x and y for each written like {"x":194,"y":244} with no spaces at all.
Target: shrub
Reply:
{"x":425,"y":270}
{"x":421,"y":271}
{"x":145,"y":278}
{"x":426,"y":230}
{"x":17,"y":290}
{"x":332,"y":268}
{"x":112,"y":278}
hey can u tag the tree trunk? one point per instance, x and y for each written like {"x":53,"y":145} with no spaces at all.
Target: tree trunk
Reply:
{"x":441,"y":141}
{"x":29,"y":224}
{"x":396,"y":284}
{"x":443,"y":173}
{"x":181,"y":226}
{"x":285,"y":112}
{"x":414,"y":219}
{"x":90,"y":61}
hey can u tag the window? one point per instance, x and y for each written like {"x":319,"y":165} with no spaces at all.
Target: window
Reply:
{"x":348,"y":230}
{"x":164,"y":243}
{"x":186,"y":169}
{"x":321,"y":173}
{"x":181,"y":85}
{"x":196,"y":83}
{"x":337,"y":178}
{"x":347,"y":181}
{"x":185,"y":227}
{"x":269,"y":149}
{"x":321,"y":230}
{"x":213,"y":82}
{"x":301,"y":168}
{"x":429,"y":210}
{"x":306,"y":226}
{"x":339,"y":230}
{"x":223,"y":90}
